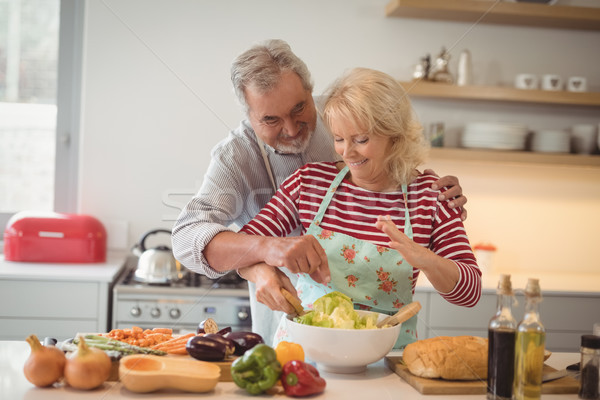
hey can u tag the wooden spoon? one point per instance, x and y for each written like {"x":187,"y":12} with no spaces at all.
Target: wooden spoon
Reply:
{"x":294,"y":302}
{"x":402,"y":315}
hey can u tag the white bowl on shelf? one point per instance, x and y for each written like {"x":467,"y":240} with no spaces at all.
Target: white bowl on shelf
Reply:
{"x":551,"y":141}
{"x":491,"y":135}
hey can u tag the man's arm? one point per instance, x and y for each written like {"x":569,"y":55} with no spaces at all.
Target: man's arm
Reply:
{"x":264,"y":239}
{"x":217,"y":205}
{"x":300,"y":254}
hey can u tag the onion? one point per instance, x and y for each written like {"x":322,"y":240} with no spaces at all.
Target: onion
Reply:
{"x":45,"y":365}
{"x":87,"y":367}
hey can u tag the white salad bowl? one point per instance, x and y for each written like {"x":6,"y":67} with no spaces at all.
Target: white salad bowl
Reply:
{"x":345,"y":351}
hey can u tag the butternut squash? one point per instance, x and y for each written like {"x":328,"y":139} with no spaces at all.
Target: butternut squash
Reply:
{"x":143,"y":373}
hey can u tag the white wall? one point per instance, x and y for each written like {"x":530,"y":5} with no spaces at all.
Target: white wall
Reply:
{"x":157,"y":97}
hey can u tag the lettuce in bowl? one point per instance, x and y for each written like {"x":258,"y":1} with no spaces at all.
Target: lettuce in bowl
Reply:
{"x":336,"y":310}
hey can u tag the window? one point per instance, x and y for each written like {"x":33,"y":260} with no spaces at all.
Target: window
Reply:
{"x":40,"y":69}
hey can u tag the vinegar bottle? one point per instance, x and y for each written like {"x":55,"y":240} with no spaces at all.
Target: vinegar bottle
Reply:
{"x":501,"y":344}
{"x":529,"y":347}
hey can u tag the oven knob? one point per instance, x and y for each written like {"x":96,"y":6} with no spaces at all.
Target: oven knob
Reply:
{"x":175,"y":313}
{"x":155,"y":312}
{"x":243,"y":314}
{"x":135,"y":311}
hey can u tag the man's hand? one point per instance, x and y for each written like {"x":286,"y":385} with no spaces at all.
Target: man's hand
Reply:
{"x":269,"y":280}
{"x":453,"y":194}
{"x":299,"y":254}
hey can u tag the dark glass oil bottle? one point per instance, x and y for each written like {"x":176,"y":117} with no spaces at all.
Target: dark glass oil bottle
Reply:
{"x":501,"y":344}
{"x":529,"y":347}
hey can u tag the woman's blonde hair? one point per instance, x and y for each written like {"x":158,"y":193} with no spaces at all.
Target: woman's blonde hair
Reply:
{"x":377,"y":104}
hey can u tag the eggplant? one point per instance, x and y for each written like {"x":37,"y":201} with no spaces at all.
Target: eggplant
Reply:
{"x":206,"y":349}
{"x":229,"y":344}
{"x":224,"y":331}
{"x":207,"y":326}
{"x":244,"y":341}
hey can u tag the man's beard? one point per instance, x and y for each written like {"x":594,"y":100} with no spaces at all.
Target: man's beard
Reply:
{"x":298,"y":145}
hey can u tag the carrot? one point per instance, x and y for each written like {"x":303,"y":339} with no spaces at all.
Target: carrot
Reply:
{"x":173,"y":342}
{"x":168,"y":331}
{"x":179,"y":350}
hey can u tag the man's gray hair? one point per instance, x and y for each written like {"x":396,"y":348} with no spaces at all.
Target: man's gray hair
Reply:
{"x":262,"y":65}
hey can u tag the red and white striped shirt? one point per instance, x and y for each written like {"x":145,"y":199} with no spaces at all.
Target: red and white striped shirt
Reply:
{"x":353,"y":211}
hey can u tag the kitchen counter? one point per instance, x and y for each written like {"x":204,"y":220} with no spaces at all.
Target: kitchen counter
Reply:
{"x":550,"y":282}
{"x":378,"y":382}
{"x":88,"y":272}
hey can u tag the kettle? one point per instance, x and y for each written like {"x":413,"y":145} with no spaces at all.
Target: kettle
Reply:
{"x":156,"y":265}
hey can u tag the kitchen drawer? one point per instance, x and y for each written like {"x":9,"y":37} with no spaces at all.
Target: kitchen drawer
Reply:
{"x":49,"y":299}
{"x":60,"y":329}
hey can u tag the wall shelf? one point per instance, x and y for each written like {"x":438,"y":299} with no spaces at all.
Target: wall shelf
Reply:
{"x":528,"y":157}
{"x":500,"y":93}
{"x":498,"y":12}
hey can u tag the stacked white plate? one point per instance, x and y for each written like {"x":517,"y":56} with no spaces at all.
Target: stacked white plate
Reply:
{"x":490,"y":135}
{"x":551,"y":141}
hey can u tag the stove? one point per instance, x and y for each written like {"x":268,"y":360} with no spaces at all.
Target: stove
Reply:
{"x":182,"y":304}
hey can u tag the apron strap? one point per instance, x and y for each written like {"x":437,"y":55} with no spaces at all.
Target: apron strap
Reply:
{"x":329,"y":195}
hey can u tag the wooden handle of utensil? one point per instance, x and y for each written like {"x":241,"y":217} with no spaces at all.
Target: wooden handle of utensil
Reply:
{"x":402,"y":315}
{"x":293,"y":301}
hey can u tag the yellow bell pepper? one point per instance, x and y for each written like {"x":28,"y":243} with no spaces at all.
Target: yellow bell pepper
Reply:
{"x":288,"y":351}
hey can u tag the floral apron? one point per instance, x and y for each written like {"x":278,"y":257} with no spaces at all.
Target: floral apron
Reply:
{"x":375,"y":277}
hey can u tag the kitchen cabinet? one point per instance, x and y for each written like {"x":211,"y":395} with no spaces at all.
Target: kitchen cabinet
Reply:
{"x":498,"y":12}
{"x":55,"y":300}
{"x":524,"y":14}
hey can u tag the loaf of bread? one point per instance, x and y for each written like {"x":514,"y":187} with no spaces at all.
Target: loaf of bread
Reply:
{"x":448,"y":357}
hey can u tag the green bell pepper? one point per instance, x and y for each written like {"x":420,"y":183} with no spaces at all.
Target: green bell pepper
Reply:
{"x":257,"y":370}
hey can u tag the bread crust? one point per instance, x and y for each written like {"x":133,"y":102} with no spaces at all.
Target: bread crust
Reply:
{"x":448,"y":357}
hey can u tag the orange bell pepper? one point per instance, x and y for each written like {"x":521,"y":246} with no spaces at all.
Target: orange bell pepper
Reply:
{"x":288,"y":351}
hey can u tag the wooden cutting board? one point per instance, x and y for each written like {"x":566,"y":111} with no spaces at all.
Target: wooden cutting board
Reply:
{"x":563,"y":385}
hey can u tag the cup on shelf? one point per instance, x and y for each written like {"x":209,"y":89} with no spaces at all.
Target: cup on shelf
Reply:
{"x":526,"y":81}
{"x":583,"y":138}
{"x":577,"y":84}
{"x":552,"y":82}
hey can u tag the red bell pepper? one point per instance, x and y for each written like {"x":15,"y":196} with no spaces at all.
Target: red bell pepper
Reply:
{"x":301,"y":379}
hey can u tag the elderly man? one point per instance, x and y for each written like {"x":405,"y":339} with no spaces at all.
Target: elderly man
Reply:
{"x":282,"y":132}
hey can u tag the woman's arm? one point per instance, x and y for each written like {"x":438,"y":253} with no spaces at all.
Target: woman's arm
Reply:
{"x":441,"y":272}
{"x":450,"y":266}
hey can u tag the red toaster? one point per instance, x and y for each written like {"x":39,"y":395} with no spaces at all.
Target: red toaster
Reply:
{"x":54,"y":237}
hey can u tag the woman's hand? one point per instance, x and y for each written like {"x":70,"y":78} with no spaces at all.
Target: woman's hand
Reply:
{"x":413,"y":253}
{"x":441,"y":272}
{"x":453,"y":193}
{"x":269,"y":280}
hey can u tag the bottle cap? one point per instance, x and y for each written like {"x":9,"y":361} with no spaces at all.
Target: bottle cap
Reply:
{"x":504,"y":285}
{"x":533,"y":288}
{"x":590,"y":341}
